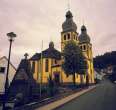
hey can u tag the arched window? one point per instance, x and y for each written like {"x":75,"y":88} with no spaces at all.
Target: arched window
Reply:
{"x":81,"y":47}
{"x":68,"y":36}
{"x":84,"y":47}
{"x":64,"y":37}
{"x":46,"y":65}
{"x":33,"y":66}
{"x":74,"y":37}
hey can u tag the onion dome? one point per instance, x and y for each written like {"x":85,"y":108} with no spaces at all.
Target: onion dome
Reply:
{"x":69,"y":24}
{"x":84,"y":37}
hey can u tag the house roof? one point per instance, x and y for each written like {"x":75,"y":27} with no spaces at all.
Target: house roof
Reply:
{"x":4,"y":57}
{"x":51,"y":52}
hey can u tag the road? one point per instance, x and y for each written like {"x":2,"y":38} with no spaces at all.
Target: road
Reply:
{"x":101,"y":98}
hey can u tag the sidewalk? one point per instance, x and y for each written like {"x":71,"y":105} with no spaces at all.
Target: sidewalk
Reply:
{"x":58,"y":103}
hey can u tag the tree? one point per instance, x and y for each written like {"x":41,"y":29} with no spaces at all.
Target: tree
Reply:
{"x":103,"y":61}
{"x":82,"y":66}
{"x":73,"y":60}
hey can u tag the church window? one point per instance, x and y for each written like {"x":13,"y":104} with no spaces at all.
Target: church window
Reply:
{"x":64,"y":37}
{"x":84,"y":47}
{"x":39,"y":68}
{"x":46,"y":65}
{"x":33,"y":66}
{"x":55,"y":61}
{"x":81,"y":47}
{"x":68,"y":36}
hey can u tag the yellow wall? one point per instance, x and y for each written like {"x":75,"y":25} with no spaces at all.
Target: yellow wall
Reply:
{"x":63,"y":78}
{"x":55,"y":68}
{"x":73,"y":36}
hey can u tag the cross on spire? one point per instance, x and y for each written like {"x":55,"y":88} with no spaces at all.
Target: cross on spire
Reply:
{"x":26,"y":55}
{"x":83,"y":22}
{"x":68,"y":4}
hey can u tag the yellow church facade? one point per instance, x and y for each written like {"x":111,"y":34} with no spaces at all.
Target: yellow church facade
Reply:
{"x":49,"y":62}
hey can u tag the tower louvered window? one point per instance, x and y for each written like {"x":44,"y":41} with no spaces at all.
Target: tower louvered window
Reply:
{"x":68,"y":36}
{"x":64,"y":37}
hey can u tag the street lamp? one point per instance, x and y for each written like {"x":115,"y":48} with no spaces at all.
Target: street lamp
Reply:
{"x":11,"y":37}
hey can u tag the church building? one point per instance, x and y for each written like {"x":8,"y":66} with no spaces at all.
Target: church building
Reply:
{"x":49,"y":62}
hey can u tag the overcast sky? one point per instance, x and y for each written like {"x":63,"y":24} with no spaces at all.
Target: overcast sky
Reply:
{"x":37,"y":20}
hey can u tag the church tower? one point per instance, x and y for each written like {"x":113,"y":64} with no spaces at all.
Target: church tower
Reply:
{"x":69,"y":30}
{"x":86,"y":47}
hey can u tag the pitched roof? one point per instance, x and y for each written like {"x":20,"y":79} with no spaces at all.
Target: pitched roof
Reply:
{"x":51,"y":52}
{"x":24,"y":71}
{"x":4,"y":57}
{"x":23,"y":76}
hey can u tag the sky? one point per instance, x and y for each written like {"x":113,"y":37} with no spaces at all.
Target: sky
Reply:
{"x":37,"y":20}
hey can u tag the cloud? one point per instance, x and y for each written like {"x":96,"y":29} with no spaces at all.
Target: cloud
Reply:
{"x":34,"y":21}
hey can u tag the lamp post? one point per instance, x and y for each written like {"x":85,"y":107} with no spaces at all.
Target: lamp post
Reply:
{"x":11,"y":37}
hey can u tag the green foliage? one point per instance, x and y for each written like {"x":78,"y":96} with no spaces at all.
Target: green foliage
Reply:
{"x":71,"y":58}
{"x":82,"y":65}
{"x":74,"y":61}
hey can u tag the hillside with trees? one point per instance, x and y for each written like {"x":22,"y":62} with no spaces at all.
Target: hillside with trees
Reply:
{"x":103,"y":61}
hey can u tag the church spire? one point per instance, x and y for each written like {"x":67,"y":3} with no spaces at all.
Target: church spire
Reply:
{"x":69,"y":24}
{"x":83,"y":28}
{"x":84,"y":37}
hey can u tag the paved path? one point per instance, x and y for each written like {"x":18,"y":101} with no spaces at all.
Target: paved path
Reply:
{"x":103,"y":97}
{"x":64,"y":100}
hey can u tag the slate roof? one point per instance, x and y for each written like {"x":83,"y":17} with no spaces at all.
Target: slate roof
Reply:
{"x":84,"y":37}
{"x":51,"y":52}
{"x":69,"y":24}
